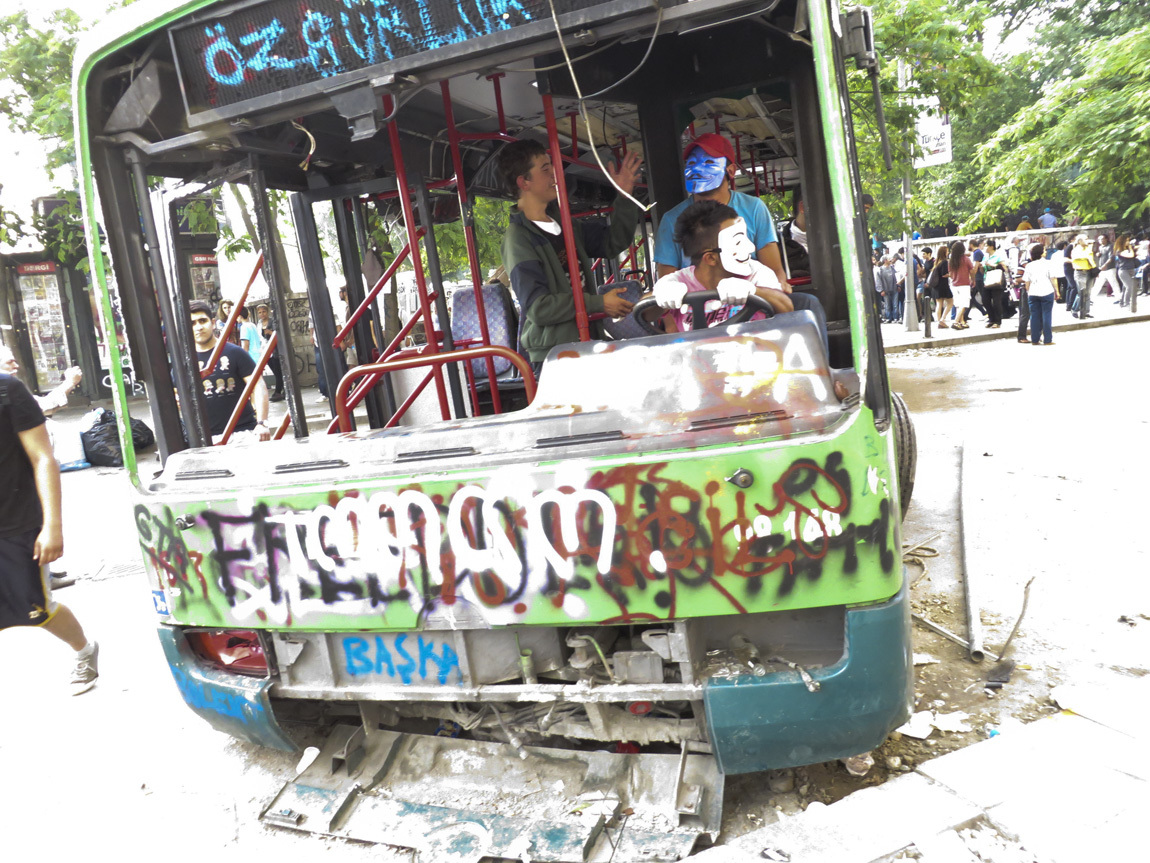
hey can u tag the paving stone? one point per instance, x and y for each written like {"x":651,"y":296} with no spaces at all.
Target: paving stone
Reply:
{"x":866,"y":825}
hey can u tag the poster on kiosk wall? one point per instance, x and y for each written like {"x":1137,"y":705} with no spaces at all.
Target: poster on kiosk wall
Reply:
{"x":39,"y":285}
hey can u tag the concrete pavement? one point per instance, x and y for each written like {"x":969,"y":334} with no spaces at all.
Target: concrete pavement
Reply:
{"x":1065,"y":789}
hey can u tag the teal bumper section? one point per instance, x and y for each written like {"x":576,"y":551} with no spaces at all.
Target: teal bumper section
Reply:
{"x":764,"y":723}
{"x":232,"y":703}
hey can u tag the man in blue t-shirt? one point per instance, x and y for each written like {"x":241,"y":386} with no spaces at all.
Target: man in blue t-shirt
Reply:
{"x":709,"y":163}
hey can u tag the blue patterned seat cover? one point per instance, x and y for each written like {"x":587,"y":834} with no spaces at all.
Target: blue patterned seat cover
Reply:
{"x":502,"y":322}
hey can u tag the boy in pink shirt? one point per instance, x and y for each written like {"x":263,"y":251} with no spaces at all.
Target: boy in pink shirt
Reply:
{"x":723,"y":259}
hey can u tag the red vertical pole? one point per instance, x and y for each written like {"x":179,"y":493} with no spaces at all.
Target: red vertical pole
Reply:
{"x":572,"y":116}
{"x":565,"y":220}
{"x":416,"y":256}
{"x":715,"y":117}
{"x":692,"y":128}
{"x":469,"y":240}
{"x":494,"y":79}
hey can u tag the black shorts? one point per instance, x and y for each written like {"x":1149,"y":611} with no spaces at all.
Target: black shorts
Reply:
{"x":25,"y":597}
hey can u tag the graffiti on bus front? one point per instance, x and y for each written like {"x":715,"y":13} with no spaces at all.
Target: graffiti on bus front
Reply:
{"x":631,"y":542}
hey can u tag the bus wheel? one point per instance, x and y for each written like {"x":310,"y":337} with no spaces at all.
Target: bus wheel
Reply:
{"x":905,"y":450}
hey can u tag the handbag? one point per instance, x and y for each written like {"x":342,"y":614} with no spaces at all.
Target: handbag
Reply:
{"x":1093,"y":272}
{"x":994,"y":278}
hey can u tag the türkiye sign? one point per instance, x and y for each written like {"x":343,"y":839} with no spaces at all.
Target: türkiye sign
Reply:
{"x":257,"y":50}
{"x":932,"y":128}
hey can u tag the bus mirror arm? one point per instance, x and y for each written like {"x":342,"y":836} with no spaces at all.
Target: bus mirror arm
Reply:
{"x":858,"y":44}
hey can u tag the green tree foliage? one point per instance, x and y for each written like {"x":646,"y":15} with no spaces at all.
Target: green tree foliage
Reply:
{"x":491,"y":219}
{"x":1061,"y":123}
{"x":1088,"y":137}
{"x":61,"y":232}
{"x":940,"y":43}
{"x":36,"y":64}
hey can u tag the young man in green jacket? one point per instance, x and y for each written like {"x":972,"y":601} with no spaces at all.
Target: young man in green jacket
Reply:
{"x":535,"y":251}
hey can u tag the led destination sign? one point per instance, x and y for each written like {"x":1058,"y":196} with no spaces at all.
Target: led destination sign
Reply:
{"x":266,"y":48}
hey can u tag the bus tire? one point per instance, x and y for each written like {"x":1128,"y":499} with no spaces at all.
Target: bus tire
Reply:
{"x":905,"y":450}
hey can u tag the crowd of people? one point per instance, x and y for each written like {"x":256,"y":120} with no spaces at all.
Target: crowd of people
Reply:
{"x":1026,"y":276}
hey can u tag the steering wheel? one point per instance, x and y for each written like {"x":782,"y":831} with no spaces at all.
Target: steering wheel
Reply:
{"x":698,"y":300}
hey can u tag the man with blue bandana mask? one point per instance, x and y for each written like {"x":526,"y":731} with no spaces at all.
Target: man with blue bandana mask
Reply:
{"x":709,"y":164}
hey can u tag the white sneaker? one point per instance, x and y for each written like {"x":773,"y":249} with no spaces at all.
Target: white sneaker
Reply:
{"x":321,"y":400}
{"x":84,"y":674}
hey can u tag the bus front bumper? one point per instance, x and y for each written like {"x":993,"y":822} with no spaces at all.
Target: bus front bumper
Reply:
{"x":765,"y":723}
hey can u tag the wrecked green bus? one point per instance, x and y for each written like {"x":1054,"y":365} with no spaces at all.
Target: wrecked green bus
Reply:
{"x":539,"y":619}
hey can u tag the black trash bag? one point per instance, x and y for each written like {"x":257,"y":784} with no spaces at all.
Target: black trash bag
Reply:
{"x":102,"y":440}
{"x":102,"y":443}
{"x":142,"y":436}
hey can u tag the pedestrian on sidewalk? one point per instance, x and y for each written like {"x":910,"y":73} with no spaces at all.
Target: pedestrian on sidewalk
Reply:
{"x":31,"y":529}
{"x":994,"y":280}
{"x":1085,"y":274}
{"x":1107,"y":274}
{"x":1070,"y":295}
{"x":1126,"y":264}
{"x":939,"y":284}
{"x":885,"y":287}
{"x":1040,"y":294}
{"x":1015,"y":264}
{"x":961,"y":270}
{"x":977,"y":297}
{"x":266,"y":326}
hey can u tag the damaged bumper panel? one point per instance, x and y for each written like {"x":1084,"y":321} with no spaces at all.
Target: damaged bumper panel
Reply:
{"x":766,"y":723}
{"x":460,"y":801}
{"x":231,"y":703}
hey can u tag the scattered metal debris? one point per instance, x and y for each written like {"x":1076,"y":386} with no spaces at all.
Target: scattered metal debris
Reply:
{"x":946,"y":633}
{"x":919,"y":553}
{"x":811,"y":684}
{"x":858,"y":765}
{"x":1017,"y":623}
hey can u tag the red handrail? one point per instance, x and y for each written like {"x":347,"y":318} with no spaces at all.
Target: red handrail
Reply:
{"x":436,"y":359}
{"x":353,"y":318}
{"x":469,"y":239}
{"x":282,"y":427}
{"x":232,"y":318}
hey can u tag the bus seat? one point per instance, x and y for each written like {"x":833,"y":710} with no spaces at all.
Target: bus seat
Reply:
{"x":502,"y":322}
{"x":625,"y":327}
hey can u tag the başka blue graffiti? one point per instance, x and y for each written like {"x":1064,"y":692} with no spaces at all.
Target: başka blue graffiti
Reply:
{"x":364,"y":657}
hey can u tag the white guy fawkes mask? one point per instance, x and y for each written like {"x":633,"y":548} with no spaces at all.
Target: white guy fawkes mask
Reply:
{"x":736,"y":249}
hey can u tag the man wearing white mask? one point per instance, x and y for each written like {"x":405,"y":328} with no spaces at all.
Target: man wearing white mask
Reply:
{"x":709,"y":164}
{"x":722,"y":259}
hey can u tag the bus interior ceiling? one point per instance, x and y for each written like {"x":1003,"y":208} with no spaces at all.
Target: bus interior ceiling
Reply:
{"x":748,"y":79}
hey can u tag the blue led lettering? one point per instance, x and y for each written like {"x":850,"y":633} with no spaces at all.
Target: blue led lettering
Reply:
{"x":365,"y":48}
{"x":267,"y":38}
{"x":321,"y":38}
{"x":223,"y":44}
{"x":317,"y":35}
